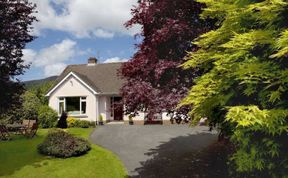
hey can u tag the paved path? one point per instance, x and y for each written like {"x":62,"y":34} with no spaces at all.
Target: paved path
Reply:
{"x":154,"y":150}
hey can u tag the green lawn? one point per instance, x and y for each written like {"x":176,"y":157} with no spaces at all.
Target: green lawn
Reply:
{"x":19,"y":158}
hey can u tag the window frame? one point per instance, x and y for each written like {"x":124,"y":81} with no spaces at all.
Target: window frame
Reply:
{"x":81,"y":101}
{"x":62,"y":99}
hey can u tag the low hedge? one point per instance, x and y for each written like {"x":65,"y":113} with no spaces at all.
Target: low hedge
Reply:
{"x":61,"y":144}
{"x":73,"y":122}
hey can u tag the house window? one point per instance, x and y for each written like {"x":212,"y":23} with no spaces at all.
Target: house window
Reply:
{"x":72,"y":105}
{"x":61,"y":105}
{"x":83,"y":105}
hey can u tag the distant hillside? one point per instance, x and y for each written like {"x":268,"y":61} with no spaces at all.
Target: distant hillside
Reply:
{"x":32,"y":83}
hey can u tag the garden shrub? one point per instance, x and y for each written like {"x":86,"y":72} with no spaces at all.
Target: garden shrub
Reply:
{"x":83,"y":124}
{"x":61,"y":144}
{"x":100,"y":118}
{"x":30,"y":106}
{"x":73,"y":122}
{"x":62,"y":122}
{"x":92,"y":123}
{"x":47,"y":117}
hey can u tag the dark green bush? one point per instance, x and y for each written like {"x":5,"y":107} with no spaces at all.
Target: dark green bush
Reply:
{"x":62,"y":122}
{"x":82,"y":124}
{"x":92,"y":123}
{"x":61,"y":144}
{"x":47,"y":117}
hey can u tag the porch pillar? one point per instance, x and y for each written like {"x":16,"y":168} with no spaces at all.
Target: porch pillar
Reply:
{"x":97,"y":109}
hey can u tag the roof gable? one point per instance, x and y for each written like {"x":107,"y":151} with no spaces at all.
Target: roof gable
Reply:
{"x":101,"y":78}
{"x":65,"y":78}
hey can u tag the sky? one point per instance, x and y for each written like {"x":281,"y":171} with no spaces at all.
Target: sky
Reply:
{"x":71,"y":31}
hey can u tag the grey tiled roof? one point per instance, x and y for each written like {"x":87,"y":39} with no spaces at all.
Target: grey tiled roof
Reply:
{"x":103,"y":78}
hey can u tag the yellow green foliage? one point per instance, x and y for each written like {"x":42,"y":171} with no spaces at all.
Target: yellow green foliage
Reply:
{"x":71,"y":121}
{"x":244,"y":84}
{"x":281,"y":45}
{"x":74,"y":122}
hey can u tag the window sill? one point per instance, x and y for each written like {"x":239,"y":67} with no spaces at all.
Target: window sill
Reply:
{"x":76,"y":115}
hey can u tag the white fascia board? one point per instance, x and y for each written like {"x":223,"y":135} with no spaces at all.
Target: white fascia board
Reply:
{"x":105,"y":94}
{"x":65,"y":78}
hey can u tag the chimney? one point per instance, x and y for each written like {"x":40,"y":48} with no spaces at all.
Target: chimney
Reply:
{"x":92,"y":61}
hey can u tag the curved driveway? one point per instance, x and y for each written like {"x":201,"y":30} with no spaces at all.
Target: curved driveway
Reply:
{"x":154,"y":150}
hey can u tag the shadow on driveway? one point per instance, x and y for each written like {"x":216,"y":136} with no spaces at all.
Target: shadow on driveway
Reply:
{"x":165,"y":151}
{"x":185,"y":157}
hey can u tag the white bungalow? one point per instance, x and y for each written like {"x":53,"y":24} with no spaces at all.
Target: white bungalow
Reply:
{"x":87,"y":91}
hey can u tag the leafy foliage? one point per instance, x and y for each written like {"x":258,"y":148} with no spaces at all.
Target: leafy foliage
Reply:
{"x":30,"y":106}
{"x":15,"y":24}
{"x":155,"y":82}
{"x":243,"y":88}
{"x":100,"y":118}
{"x":83,"y":124}
{"x":73,"y":122}
{"x":35,"y":101}
{"x":41,"y":90}
{"x":61,"y":144}
{"x":47,"y":117}
{"x":33,"y":108}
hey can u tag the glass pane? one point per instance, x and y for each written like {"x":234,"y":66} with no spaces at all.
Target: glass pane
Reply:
{"x":73,"y":105}
{"x":83,"y":98}
{"x":61,"y":107}
{"x":83,"y":107}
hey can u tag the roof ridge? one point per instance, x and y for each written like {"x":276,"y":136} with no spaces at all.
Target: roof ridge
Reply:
{"x":111,"y":62}
{"x":96,"y":64}
{"x":75,"y":65}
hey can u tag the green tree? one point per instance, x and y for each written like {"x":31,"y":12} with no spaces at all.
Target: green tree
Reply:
{"x":244,"y":86}
{"x":16,"y":18}
{"x":41,"y":90}
{"x":30,"y":106}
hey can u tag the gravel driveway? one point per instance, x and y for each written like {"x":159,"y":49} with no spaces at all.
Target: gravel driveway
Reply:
{"x":156,"y":150}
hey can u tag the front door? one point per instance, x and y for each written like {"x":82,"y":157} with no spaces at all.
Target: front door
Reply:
{"x":118,"y":109}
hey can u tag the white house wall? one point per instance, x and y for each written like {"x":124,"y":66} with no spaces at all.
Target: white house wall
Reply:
{"x":141,"y":116}
{"x":73,"y":88}
{"x":105,"y":107}
{"x":165,"y":117}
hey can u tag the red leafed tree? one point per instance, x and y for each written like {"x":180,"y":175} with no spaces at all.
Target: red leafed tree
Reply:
{"x":16,"y":18}
{"x":154,"y":79}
